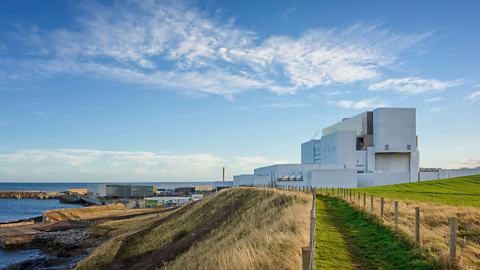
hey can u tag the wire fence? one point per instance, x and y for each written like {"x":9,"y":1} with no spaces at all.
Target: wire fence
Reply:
{"x":434,"y":228}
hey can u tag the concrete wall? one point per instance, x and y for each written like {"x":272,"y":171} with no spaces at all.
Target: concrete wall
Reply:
{"x":262,"y":180}
{"x":391,"y":178}
{"x":366,"y":179}
{"x":244,"y":180}
{"x":99,"y":189}
{"x":448,"y":173}
{"x":361,"y":161}
{"x":370,"y":159}
{"x":308,"y":151}
{"x":392,"y":162}
{"x":427,"y":176}
{"x":339,"y":148}
{"x":395,"y":127}
{"x":344,"y":178}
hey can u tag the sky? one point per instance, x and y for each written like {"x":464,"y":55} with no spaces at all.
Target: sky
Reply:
{"x":112,"y":91}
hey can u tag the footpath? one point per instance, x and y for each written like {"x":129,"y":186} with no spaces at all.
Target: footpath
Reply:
{"x":346,"y":239}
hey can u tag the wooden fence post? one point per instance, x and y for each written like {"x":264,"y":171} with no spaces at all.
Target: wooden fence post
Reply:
{"x":364,"y":200}
{"x":395,"y":218}
{"x":351,"y":195}
{"x":358,"y":197}
{"x":417,"y":226}
{"x":381,"y":208}
{"x":453,"y":241}
{"x":305,"y":258}
{"x":371,"y":202}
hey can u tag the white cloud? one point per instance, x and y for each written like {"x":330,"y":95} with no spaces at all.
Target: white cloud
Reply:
{"x":140,"y":170}
{"x":473,"y":97}
{"x":413,"y":85}
{"x":433,"y":99}
{"x":167,"y":45}
{"x":466,"y":162}
{"x":437,"y":109}
{"x":362,"y":104}
{"x":283,"y":105}
{"x":249,"y":163}
{"x":287,"y":12}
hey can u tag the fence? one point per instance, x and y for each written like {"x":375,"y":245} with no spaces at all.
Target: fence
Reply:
{"x":434,"y":228}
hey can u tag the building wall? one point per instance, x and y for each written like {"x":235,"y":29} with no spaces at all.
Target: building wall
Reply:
{"x":427,"y":176}
{"x":244,"y":180}
{"x":361,"y":163}
{"x":308,"y":151}
{"x":262,"y":180}
{"x":395,"y":127}
{"x":339,"y":148}
{"x":343,"y":178}
{"x":366,"y":179}
{"x":392,"y":162}
{"x":370,"y":159}
{"x":391,"y":178}
{"x":448,"y":173}
{"x":357,"y":123}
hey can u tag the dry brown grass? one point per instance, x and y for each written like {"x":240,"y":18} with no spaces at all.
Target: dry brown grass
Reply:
{"x":117,"y":231}
{"x":111,"y":210}
{"x":267,"y":232}
{"x":434,"y":228}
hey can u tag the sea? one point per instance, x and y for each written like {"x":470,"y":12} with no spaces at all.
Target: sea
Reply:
{"x":13,"y":209}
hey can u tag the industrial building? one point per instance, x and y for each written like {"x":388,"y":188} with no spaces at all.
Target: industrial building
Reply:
{"x":121,"y":191}
{"x":373,"y":148}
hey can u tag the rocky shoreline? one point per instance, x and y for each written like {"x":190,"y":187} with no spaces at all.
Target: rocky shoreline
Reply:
{"x":64,"y":249}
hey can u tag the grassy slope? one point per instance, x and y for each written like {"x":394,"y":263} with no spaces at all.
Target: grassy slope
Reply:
{"x":459,"y":191}
{"x":266,"y":233}
{"x":373,"y":246}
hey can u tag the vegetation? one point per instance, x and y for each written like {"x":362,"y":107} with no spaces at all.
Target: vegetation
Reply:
{"x":266,"y":231}
{"x":458,"y":191}
{"x":434,"y":228}
{"x":346,"y":239}
{"x":92,"y":212}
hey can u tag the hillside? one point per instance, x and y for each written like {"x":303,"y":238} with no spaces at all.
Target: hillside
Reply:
{"x":458,"y":191}
{"x":247,"y":227}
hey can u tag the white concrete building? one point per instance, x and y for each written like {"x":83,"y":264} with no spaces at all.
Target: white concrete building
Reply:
{"x":373,"y":148}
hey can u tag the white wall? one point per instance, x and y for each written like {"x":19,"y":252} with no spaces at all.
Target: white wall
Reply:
{"x":262,"y":180}
{"x":366,"y":179}
{"x":395,"y":127}
{"x":391,"y":178}
{"x":370,"y":159}
{"x":361,"y":161}
{"x":308,"y":151}
{"x":339,"y":148}
{"x":392,"y":162}
{"x":243,"y":180}
{"x":427,"y":176}
{"x":98,"y":189}
{"x":344,"y":178}
{"x":448,"y":173}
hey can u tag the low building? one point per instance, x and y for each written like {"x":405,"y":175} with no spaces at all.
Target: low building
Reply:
{"x":120,"y":191}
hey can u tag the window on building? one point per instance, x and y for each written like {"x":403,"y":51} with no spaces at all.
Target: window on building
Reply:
{"x":358,"y":161}
{"x":409,"y":147}
{"x":387,"y":147}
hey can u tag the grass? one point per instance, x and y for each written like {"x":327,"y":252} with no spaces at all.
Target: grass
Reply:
{"x":372,"y":246}
{"x":458,"y":191}
{"x":332,"y":250}
{"x":111,"y":210}
{"x":267,"y":232}
{"x":434,"y":227}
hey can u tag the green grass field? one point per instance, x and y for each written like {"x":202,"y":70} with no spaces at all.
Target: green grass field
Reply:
{"x":459,"y":191}
{"x":346,"y":239}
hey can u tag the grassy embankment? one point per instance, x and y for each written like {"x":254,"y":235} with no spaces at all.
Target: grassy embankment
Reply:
{"x":438,"y":201}
{"x":458,"y":191}
{"x":92,"y":212}
{"x":346,"y":239}
{"x":265,"y":231}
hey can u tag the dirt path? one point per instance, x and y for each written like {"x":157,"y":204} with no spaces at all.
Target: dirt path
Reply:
{"x":157,"y":258}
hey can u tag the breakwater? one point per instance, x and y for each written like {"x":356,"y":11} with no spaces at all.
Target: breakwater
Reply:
{"x":30,"y":194}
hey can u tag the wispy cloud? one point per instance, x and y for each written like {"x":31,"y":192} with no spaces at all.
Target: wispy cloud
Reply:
{"x":361,"y":104}
{"x":473,"y":97}
{"x":283,"y":105}
{"x":433,"y":99}
{"x":466,"y":163}
{"x":168,"y":45}
{"x":437,"y":109}
{"x":413,"y":85}
{"x":287,"y":12}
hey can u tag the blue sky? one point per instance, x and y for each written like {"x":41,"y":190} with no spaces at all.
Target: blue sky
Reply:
{"x":174,"y":91}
